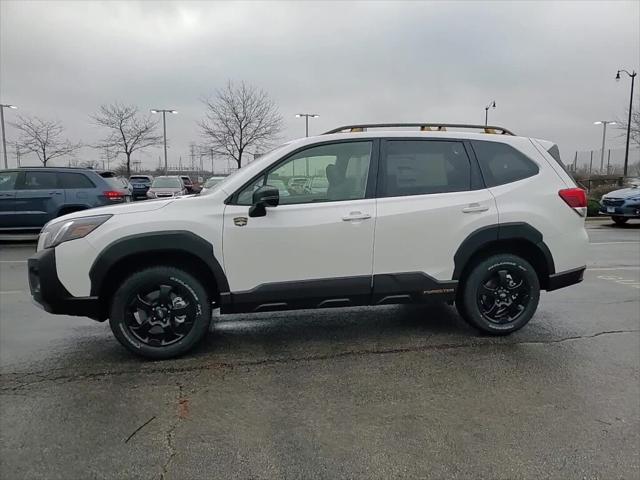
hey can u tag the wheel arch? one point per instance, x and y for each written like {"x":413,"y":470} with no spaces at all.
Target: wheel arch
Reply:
{"x":517,"y":238}
{"x":180,"y":249}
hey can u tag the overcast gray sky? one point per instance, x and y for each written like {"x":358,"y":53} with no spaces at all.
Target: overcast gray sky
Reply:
{"x":550,"y":66}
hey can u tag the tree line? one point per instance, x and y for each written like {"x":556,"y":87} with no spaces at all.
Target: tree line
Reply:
{"x":238,"y":118}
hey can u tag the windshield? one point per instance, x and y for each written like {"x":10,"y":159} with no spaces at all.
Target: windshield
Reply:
{"x":166,"y":183}
{"x":255,"y":164}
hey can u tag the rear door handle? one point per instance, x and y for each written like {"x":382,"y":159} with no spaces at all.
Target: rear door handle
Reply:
{"x":354,"y":216}
{"x":474,"y":208}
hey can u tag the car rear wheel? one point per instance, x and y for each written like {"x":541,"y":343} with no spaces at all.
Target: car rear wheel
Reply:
{"x":499,"y":295}
{"x":160,"y":312}
{"x":620,"y":220}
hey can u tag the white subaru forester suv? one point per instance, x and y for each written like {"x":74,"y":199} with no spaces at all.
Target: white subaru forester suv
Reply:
{"x":404,"y":213}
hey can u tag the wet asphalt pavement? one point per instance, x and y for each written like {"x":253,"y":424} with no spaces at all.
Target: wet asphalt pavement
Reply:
{"x":381,"y":392}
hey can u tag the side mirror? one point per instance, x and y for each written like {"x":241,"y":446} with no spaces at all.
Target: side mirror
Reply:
{"x":265,"y":196}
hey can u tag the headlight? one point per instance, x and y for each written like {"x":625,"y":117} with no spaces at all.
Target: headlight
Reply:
{"x":54,"y":234}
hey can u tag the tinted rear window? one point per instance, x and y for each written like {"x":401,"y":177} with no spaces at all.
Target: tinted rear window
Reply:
{"x":419,"y":167}
{"x":139,"y":179}
{"x":40,"y":180}
{"x":74,"y":180}
{"x":114,"y":182}
{"x":501,"y":163}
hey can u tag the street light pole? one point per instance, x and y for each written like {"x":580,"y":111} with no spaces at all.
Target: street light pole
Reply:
{"x":492,"y":104}
{"x":604,"y":124}
{"x":306,"y":116}
{"x":4,"y":139}
{"x":164,"y":131}
{"x":626,"y":151}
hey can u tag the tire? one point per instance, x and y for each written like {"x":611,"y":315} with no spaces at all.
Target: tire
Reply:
{"x":143,"y":312}
{"x":486,"y":300}
{"x":620,"y":220}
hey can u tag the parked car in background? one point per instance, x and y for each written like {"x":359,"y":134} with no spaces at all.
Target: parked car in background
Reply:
{"x":167,"y":187}
{"x":211,"y":182}
{"x":622,"y":205}
{"x":126,"y":185}
{"x":188,"y":184}
{"x":32,"y":196}
{"x":297,"y":185}
{"x":317,"y":184}
{"x":140,"y":184}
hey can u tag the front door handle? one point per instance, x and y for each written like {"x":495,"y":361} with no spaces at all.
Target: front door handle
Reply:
{"x":354,"y":216}
{"x":474,"y":208}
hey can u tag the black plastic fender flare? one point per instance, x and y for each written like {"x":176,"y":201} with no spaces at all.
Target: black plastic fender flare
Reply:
{"x":156,"y":242}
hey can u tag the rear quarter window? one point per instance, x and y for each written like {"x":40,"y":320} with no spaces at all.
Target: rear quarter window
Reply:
{"x":114,"y":182}
{"x":501,"y":163}
{"x":74,"y":180}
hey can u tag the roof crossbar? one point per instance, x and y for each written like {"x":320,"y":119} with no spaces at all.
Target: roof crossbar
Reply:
{"x":423,"y":127}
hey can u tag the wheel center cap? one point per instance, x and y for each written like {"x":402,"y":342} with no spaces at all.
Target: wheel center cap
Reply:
{"x":161,"y":312}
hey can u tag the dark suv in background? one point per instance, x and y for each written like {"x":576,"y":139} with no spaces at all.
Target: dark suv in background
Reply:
{"x":31,"y":196}
{"x":140,"y":184}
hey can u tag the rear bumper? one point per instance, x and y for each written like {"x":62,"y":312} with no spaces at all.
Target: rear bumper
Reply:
{"x":566,"y":278}
{"x":49,"y":293}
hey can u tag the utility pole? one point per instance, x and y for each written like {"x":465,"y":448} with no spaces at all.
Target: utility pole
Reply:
{"x":164,"y":130}
{"x":306,"y":117}
{"x":492,"y":104}
{"x":4,"y":138}
{"x":604,"y":124}
{"x":626,"y":152}
{"x":18,"y":154}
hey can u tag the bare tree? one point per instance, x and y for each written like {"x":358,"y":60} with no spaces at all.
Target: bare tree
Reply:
{"x":240,"y":117}
{"x":44,"y":138}
{"x":129,"y":131}
{"x":634,"y":132}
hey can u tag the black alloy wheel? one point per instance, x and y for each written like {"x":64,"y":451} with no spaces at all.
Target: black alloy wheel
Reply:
{"x":503,"y":295}
{"x":160,"y":312}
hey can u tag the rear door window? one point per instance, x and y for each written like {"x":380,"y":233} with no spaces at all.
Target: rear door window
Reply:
{"x":74,"y":180}
{"x":8,"y":180}
{"x":501,"y":163}
{"x":40,"y":180}
{"x":421,"y":167}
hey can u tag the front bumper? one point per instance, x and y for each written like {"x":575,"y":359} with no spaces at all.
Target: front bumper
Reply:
{"x":49,"y":293}
{"x":631,"y":209}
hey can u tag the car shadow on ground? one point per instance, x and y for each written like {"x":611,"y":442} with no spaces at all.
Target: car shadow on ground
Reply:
{"x":316,"y":329}
{"x":243,"y":338}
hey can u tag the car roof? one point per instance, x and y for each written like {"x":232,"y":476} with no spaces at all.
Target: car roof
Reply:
{"x":54,"y":169}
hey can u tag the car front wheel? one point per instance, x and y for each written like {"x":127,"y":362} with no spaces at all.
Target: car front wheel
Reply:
{"x":499,"y":295}
{"x":160,"y":312}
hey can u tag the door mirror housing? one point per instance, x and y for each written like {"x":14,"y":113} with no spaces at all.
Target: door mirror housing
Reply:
{"x":265,"y":196}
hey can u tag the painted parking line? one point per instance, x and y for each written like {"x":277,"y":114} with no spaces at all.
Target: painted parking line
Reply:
{"x":13,"y":261}
{"x":620,"y":280}
{"x":12,"y":292}
{"x":628,"y":242}
{"x":598,"y":269}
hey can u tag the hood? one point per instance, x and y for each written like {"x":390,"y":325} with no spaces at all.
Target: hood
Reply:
{"x":124,"y":208}
{"x":624,"y":193}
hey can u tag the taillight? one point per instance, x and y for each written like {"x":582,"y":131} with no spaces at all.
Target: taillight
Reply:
{"x":113,"y":195}
{"x":576,"y":198}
